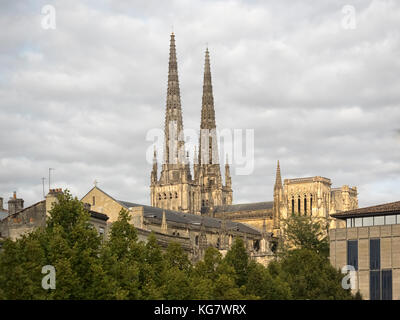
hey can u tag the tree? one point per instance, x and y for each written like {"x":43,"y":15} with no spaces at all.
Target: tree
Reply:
{"x":121,"y":258}
{"x":311,"y":276}
{"x":262,"y":284}
{"x":69,"y":243}
{"x":238,"y":258}
{"x":304,"y":232}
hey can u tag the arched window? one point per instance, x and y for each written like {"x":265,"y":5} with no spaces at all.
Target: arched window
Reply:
{"x":165,"y":195}
{"x":170,"y":195}
{"x":218,"y":243}
{"x":311,"y":205}
{"x":196,"y":240}
{"x":159,"y":196}
{"x":292,"y":205}
{"x":256,"y":245}
{"x":305,"y":205}
{"x":298,"y":205}
{"x":176,"y":195}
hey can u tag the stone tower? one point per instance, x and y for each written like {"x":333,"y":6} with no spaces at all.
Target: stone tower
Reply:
{"x":207,"y":170}
{"x":279,"y":201}
{"x":175,"y":190}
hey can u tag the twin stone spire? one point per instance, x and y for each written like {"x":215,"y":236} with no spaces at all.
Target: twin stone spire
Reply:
{"x":176,"y":189}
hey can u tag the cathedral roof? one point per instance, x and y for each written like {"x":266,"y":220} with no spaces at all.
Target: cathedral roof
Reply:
{"x":245,"y":207}
{"x":188,"y":218}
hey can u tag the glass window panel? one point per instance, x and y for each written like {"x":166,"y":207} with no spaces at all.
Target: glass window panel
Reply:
{"x":398,"y":218}
{"x":352,"y":253}
{"x":368,"y":221}
{"x":348,"y":223}
{"x":390,"y":219}
{"x":387,"y":285}
{"x":379,"y":221}
{"x":358,"y":222}
{"x":374,"y":254}
{"x":374,"y":285}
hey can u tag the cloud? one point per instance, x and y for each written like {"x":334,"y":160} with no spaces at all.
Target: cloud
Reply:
{"x":322,"y":99}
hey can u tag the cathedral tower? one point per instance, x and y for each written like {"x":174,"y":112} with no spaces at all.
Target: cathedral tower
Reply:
{"x":208,"y":171}
{"x":175,"y":190}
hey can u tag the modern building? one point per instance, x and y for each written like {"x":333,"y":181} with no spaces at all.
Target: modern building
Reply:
{"x":370,"y":242}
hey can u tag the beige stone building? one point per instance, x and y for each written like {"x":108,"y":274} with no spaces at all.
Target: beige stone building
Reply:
{"x":370,"y":242}
{"x":194,"y":232}
{"x":20,"y":220}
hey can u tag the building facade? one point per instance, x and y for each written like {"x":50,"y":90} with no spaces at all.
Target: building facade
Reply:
{"x":22,"y":220}
{"x":369,"y":246}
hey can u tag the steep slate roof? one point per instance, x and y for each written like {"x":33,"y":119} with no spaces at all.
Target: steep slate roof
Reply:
{"x":392,"y":207}
{"x":245,"y":207}
{"x":188,"y":218}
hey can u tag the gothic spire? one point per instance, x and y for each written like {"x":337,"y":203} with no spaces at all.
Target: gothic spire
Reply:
{"x":207,"y":106}
{"x":278,"y":181}
{"x":174,"y":146}
{"x":154,"y":172}
{"x":208,"y":150}
{"x":228,"y":179}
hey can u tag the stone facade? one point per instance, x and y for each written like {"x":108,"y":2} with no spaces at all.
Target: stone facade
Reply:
{"x":314,"y":197}
{"x":25,"y":220}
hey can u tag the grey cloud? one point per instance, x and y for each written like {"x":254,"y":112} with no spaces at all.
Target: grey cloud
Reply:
{"x":81,"y":98}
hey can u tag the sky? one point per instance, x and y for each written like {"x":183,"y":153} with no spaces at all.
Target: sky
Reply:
{"x":316,"y":82}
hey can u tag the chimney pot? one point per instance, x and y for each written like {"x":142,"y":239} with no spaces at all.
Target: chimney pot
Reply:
{"x":15,"y":195}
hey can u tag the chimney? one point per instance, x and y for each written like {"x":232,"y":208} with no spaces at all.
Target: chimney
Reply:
{"x":51,"y":198}
{"x":15,"y":204}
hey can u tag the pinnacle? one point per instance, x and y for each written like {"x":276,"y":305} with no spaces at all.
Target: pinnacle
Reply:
{"x":278,"y":181}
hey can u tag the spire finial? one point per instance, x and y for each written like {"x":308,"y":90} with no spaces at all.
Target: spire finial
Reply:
{"x":278,"y":180}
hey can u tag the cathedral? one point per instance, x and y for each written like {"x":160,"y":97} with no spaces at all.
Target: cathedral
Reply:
{"x":204,"y":193}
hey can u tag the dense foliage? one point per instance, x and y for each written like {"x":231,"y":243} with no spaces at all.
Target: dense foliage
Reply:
{"x":121,"y":267}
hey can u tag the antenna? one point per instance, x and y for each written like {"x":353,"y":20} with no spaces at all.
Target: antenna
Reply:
{"x":50,"y":176}
{"x":43,"y":178}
